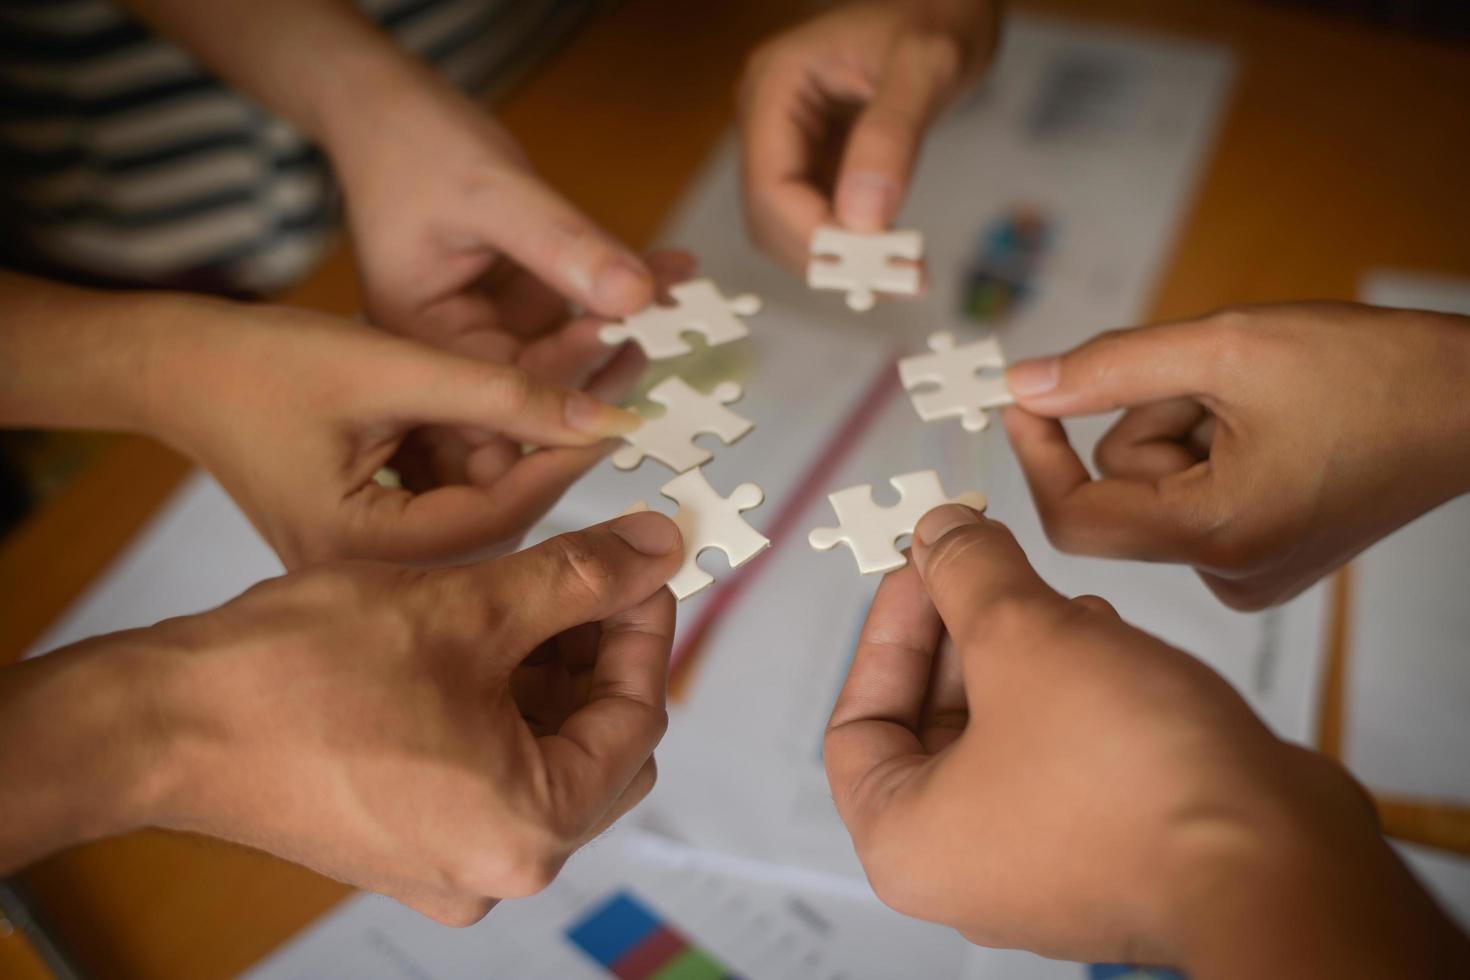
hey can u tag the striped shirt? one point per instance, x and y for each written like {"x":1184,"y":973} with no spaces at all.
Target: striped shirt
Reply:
{"x":123,"y":161}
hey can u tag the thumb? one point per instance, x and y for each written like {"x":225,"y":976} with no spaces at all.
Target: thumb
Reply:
{"x":425,"y":386}
{"x":921,"y":72}
{"x":527,"y":220}
{"x":587,"y":576}
{"x":1121,"y":368}
{"x":971,"y":567}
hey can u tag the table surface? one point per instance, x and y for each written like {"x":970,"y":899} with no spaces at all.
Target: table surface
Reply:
{"x":1343,"y":148}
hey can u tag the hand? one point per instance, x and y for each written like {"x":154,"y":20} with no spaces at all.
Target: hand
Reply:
{"x":454,"y":234}
{"x":1036,"y":773}
{"x":294,"y":413}
{"x":1265,"y":446}
{"x":458,"y":243}
{"x":571,"y":356}
{"x":361,"y":719}
{"x":833,"y":112}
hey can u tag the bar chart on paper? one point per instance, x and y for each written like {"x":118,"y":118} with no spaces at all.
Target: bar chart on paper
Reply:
{"x":631,"y":906}
{"x":631,"y":942}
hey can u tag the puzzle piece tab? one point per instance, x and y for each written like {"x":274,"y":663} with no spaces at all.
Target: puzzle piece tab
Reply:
{"x":698,"y":308}
{"x":862,"y":265}
{"x":960,"y":391}
{"x":707,"y":520}
{"x":871,"y":531}
{"x":669,"y":438}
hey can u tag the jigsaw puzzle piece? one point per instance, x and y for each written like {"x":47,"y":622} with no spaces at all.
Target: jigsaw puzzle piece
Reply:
{"x":871,"y":531}
{"x":669,"y":438}
{"x":708,"y":520}
{"x":960,"y":391}
{"x":698,"y":307}
{"x":864,"y":265}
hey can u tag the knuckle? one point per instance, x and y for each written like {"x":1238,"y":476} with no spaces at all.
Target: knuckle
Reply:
{"x":887,"y":126}
{"x":1015,"y":615}
{"x":642,"y":784}
{"x":463,"y":606}
{"x":1066,"y":534}
{"x":1095,"y":603}
{"x":522,"y":863}
{"x":532,"y":873}
{"x":460,"y":913}
{"x":1235,"y":332}
{"x":585,"y":574}
{"x":1242,"y":596}
{"x":952,"y":552}
{"x":1225,"y":551}
{"x":512,"y":389}
{"x":893,"y":882}
{"x":1111,"y":454}
{"x":941,"y":55}
{"x":1108,"y":344}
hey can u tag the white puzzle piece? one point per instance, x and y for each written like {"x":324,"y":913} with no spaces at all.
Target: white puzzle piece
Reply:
{"x":872,"y":531}
{"x":698,"y":308}
{"x":862,"y":265}
{"x":707,"y":520}
{"x":669,"y":438}
{"x":956,"y":371}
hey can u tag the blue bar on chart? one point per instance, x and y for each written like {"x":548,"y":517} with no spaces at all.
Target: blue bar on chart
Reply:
{"x":631,"y":942}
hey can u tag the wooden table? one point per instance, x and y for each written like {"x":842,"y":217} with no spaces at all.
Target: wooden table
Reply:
{"x":1344,"y":148}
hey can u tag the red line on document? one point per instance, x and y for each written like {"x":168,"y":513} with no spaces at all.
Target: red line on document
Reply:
{"x":849,"y":433}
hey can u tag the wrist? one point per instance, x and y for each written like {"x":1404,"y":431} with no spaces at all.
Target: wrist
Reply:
{"x":1301,"y":884}
{"x":407,"y":97}
{"x":1452,"y":355}
{"x":84,"y":358}
{"x":86,"y":750}
{"x":186,"y":344}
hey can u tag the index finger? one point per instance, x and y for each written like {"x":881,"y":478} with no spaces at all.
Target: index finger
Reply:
{"x":873,"y":741}
{"x":921,"y":72}
{"x":784,"y":206}
{"x":395,"y":525}
{"x":1111,"y":517}
{"x":602,"y":746}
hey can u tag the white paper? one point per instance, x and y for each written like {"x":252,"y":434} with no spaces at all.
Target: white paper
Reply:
{"x":1408,"y":696}
{"x":752,"y":925}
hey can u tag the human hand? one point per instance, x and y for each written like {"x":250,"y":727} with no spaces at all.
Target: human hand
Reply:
{"x":364,"y":720}
{"x":295,"y":412}
{"x":1264,"y":445}
{"x":1036,"y":773}
{"x":571,"y":355}
{"x":832,"y":113}
{"x":458,"y":242}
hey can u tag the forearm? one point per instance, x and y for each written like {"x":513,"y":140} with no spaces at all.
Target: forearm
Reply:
{"x":82,"y":751}
{"x":321,"y":64}
{"x":74,"y":358}
{"x":128,"y":361}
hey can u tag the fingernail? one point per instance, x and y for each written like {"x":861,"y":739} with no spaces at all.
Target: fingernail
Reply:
{"x":1034,"y":377}
{"x":650,"y":533}
{"x":586,"y":414}
{"x":864,"y":201}
{"x":941,"y":520}
{"x":621,"y":287}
